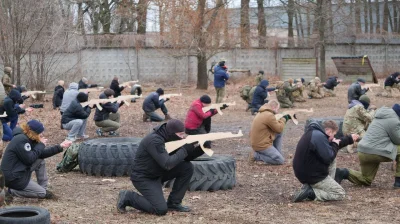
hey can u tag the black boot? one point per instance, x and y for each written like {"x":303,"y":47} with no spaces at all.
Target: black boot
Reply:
{"x":306,"y":193}
{"x":178,"y":207}
{"x":121,"y":207}
{"x":396,"y":183}
{"x":341,"y":174}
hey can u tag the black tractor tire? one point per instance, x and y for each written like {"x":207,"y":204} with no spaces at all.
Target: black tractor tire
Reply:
{"x":320,"y":120}
{"x":24,"y":215}
{"x":211,"y":174}
{"x":108,"y":156}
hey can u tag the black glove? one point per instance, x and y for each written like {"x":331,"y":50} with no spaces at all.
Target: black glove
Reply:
{"x":189,"y":148}
{"x":366,"y":89}
{"x":294,"y":116}
{"x":224,"y":106}
{"x":92,"y":85}
{"x":213,"y":111}
{"x":287,"y":117}
{"x":166,"y":99}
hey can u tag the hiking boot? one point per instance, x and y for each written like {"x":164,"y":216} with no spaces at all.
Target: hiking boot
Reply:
{"x":113,"y":133}
{"x":99,"y":132}
{"x":167,"y":117}
{"x":145,"y":118}
{"x":49,"y":195}
{"x":341,"y":174}
{"x":396,"y":183}
{"x":306,"y":193}
{"x":121,"y":207}
{"x":82,"y":137}
{"x":251,"y":158}
{"x":178,"y":208}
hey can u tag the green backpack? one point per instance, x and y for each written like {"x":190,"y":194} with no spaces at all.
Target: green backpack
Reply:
{"x":70,"y":159}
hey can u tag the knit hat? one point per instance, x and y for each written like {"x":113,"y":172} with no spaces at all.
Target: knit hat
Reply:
{"x":205,"y":99}
{"x":160,"y":91}
{"x":175,"y":126}
{"x":82,"y":97}
{"x":261,"y":72}
{"x":361,"y":80}
{"x":109,"y":92}
{"x":396,"y":109}
{"x":36,"y":126}
{"x":365,"y":98}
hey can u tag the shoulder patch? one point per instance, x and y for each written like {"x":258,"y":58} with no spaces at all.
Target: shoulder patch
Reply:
{"x":27,"y":147}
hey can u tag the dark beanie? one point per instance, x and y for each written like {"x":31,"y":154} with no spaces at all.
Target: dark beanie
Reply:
{"x":365,"y":98}
{"x":175,"y":126}
{"x":261,"y":72}
{"x":361,"y":80}
{"x":109,"y":92}
{"x":82,"y":97}
{"x":160,"y":91}
{"x":396,"y":109}
{"x":205,"y":99}
{"x":36,"y":126}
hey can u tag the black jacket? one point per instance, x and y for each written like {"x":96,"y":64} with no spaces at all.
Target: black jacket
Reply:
{"x":19,"y":156}
{"x":314,"y":154}
{"x":152,"y":102}
{"x":75,"y":111}
{"x":82,"y":85}
{"x":355,"y":92}
{"x":152,"y":160}
{"x":331,"y":83}
{"x":101,"y":115}
{"x":115,"y":86}
{"x":391,"y":80}
{"x":9,"y":105}
{"x":58,"y":96}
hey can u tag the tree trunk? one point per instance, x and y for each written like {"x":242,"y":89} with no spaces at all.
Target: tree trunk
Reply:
{"x":358,"y":16}
{"x":395,"y":14}
{"x":202,"y":79}
{"x":308,"y":22}
{"x":290,"y":10}
{"x":142,"y":16}
{"x":378,"y":14}
{"x":297,"y":25}
{"x":262,"y":26}
{"x":331,"y":31}
{"x":301,"y":22}
{"x":321,"y":29}
{"x":385,"y":22}
{"x":244,"y":23}
{"x":365,"y":3}
{"x":371,"y":18}
{"x":352,"y":23}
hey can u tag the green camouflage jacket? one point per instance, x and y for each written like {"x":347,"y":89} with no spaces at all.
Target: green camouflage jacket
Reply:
{"x":357,"y":118}
{"x":6,"y":80}
{"x":286,"y":89}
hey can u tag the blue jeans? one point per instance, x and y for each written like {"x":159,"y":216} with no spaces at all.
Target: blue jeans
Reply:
{"x":154,"y":116}
{"x":273,"y":155}
{"x":7,"y":130}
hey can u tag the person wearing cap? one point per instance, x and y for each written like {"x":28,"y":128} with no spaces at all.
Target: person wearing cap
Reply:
{"x":58,"y":94}
{"x":285,"y":94}
{"x":379,"y":144}
{"x":69,"y":96}
{"x":153,"y":165}
{"x":6,"y":80}
{"x":107,"y":119}
{"x":315,"y":89}
{"x":298,"y":94}
{"x":84,"y":84}
{"x":260,"y":96}
{"x":357,"y":118}
{"x":25,"y":154}
{"x":355,"y":91}
{"x":259,"y":77}
{"x":220,"y":77}
{"x":266,"y":135}
{"x":330,"y":85}
{"x":392,"y":81}
{"x":115,"y":86}
{"x":75,"y":118}
{"x":153,"y":102}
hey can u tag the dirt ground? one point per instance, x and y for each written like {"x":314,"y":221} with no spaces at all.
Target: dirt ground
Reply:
{"x":262,"y":195}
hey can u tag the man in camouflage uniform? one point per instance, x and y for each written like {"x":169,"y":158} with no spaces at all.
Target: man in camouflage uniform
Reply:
{"x":298,"y":94}
{"x":393,"y":81}
{"x":6,"y":80}
{"x":357,"y":119}
{"x":285,"y":93}
{"x":315,"y":89}
{"x":259,"y":77}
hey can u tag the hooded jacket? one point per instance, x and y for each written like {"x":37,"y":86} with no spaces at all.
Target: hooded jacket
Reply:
{"x":152,"y":102}
{"x":354,"y":92}
{"x":264,"y":128}
{"x":196,"y":116}
{"x":331,"y":83}
{"x":69,"y":96}
{"x":58,"y":96}
{"x":9,"y":105}
{"x":391,"y":80}
{"x":260,"y":94}
{"x":383,"y":134}
{"x":101,"y":115}
{"x":115,"y":86}
{"x":19,"y":156}
{"x":75,"y":111}
{"x":314,"y":154}
{"x":220,"y":77}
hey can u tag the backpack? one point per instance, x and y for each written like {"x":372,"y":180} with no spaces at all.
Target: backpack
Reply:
{"x":70,"y":159}
{"x":244,"y":92}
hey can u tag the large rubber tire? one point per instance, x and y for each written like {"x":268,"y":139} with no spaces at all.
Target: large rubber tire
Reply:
{"x":211,"y":174}
{"x":24,"y":214}
{"x":108,"y":156}
{"x":320,"y":120}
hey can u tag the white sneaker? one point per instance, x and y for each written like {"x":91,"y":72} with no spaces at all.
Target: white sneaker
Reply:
{"x":71,"y":139}
{"x":81,"y":137}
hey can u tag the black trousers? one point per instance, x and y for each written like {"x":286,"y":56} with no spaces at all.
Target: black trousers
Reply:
{"x":152,"y":198}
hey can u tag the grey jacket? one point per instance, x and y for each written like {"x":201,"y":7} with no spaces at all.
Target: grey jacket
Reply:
{"x":69,"y":96}
{"x":383,"y":134}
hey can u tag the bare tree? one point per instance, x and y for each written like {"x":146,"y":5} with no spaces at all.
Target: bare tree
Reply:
{"x":262,"y":25}
{"x":244,"y":23}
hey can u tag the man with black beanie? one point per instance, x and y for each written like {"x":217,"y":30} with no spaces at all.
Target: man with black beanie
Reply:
{"x":153,"y":166}
{"x":75,"y":118}
{"x":153,"y":102}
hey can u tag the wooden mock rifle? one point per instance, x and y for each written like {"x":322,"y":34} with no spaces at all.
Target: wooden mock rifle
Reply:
{"x":217,"y":106}
{"x":97,"y":102}
{"x":292,"y":114}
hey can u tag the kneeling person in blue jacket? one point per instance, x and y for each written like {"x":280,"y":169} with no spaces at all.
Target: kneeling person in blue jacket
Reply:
{"x":260,"y":96}
{"x":152,"y":103}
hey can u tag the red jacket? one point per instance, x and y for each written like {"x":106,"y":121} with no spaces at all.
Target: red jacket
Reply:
{"x":195,"y":115}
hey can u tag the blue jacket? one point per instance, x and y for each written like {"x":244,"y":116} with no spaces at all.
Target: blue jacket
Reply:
{"x":220,"y":76}
{"x":101,"y":115}
{"x":261,"y":93}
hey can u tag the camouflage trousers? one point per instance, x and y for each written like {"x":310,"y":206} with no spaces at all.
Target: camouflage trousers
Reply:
{"x":70,"y":159}
{"x":329,"y":92}
{"x":285,"y":102}
{"x":328,"y":189}
{"x":299,"y":99}
{"x":315,"y":95}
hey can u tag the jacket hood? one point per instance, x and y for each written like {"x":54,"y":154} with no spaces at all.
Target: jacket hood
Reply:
{"x":354,"y":103}
{"x":385,"y":113}
{"x":316,"y":126}
{"x":73,"y":85}
{"x":15,"y":95}
{"x":17,"y":131}
{"x":266,"y":107}
{"x":264,"y":83}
